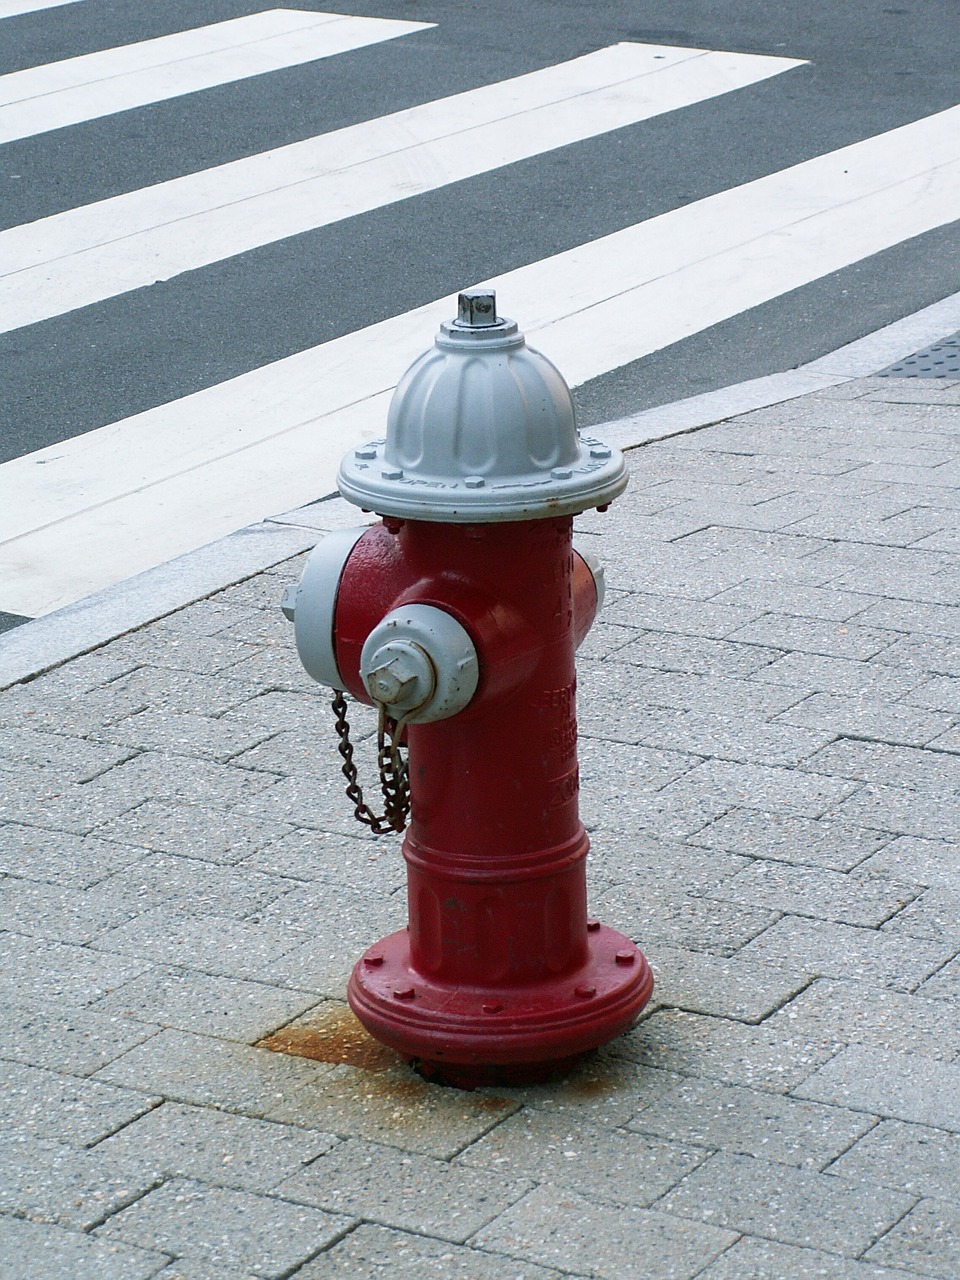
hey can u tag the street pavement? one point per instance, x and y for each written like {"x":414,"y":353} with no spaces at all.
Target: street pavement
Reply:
{"x":770,"y":760}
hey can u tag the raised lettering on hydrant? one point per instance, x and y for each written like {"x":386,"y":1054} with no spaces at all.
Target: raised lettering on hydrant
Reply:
{"x":458,"y":616}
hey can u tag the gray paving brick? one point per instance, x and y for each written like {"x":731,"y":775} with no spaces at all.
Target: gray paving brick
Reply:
{"x":604,"y":639}
{"x":49,"y":1182}
{"x":628,"y":768}
{"x":927,"y":1240}
{"x":563,"y":1229}
{"x":847,"y":1012}
{"x":279,"y":668}
{"x":41,"y":1251}
{"x":723,"y":986}
{"x":793,"y":1206}
{"x":661,"y":865}
{"x":925,"y":655}
{"x":840,"y":896}
{"x":74,"y":758}
{"x":827,"y":604}
{"x":656,"y":612}
{"x":315,"y":801}
{"x":905,"y":811}
{"x":60,"y":857}
{"x":944,"y":985}
{"x":602,"y":1163}
{"x":752,"y":1259}
{"x":399,"y":1189}
{"x":922,"y":862}
{"x":45,"y":798}
{"x":393,"y":1107}
{"x":301,"y":752}
{"x":902,"y":615}
{"x":717,"y":694}
{"x":76,"y":1041}
{"x":191,"y":830}
{"x":883,"y":763}
{"x":184,"y":733}
{"x":200,"y":1269}
{"x":154,"y":775}
{"x":203,"y":1071}
{"x":811,"y":673}
{"x":214,"y":1147}
{"x":949,"y":741}
{"x":374,"y":1253}
{"x":696,"y":655}
{"x":178,"y":643}
{"x":912,"y":1157}
{"x":340,"y":859}
{"x":327,"y":928}
{"x":34,"y":970}
{"x":194,"y":885}
{"x":42,"y":707}
{"x":760,"y":787}
{"x":46,"y":1104}
{"x":876,"y":718}
{"x":225,"y":945}
{"x":60,"y":913}
{"x":844,"y":951}
{"x":306,"y":711}
{"x":656,"y":918}
{"x":942,"y":693}
{"x":720,"y":1049}
{"x":808,"y":635}
{"x":205,"y":1003}
{"x":745,"y":542}
{"x":788,"y":838}
{"x":933,"y":915}
{"x":752,"y":1122}
{"x":619,"y":710}
{"x":173,"y":691}
{"x":219,"y":616}
{"x":901,"y":1086}
{"x":230,"y":1228}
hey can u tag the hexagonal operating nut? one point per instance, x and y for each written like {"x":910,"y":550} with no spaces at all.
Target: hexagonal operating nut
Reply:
{"x":288,"y":605}
{"x":400,"y":676}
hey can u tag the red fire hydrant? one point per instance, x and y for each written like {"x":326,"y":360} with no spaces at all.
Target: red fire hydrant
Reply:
{"x":458,"y":616}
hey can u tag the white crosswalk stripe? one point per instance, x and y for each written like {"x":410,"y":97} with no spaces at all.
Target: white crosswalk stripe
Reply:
{"x":97,"y":508}
{"x":99,"y":84}
{"x":13,"y":8}
{"x":84,"y":255}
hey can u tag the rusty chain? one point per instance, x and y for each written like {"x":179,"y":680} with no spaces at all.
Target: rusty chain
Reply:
{"x":391,"y":765}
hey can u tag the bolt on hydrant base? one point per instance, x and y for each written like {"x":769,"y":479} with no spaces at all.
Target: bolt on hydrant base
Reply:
{"x":459,"y":615}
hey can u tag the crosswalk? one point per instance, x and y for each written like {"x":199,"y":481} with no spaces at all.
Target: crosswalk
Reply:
{"x":94,"y":509}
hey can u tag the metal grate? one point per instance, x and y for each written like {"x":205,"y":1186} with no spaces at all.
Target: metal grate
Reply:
{"x":942,"y":360}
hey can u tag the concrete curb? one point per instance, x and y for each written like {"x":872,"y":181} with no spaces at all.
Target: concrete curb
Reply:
{"x":29,"y":650}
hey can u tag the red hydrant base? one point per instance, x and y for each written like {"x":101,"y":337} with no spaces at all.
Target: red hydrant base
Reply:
{"x":468,"y":1036}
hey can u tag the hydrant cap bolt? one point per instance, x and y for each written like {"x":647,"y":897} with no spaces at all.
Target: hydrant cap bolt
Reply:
{"x":481,"y":428}
{"x":401,"y":676}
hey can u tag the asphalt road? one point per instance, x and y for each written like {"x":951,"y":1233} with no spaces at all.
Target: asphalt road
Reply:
{"x":872,"y":67}
{"x":868,"y":68}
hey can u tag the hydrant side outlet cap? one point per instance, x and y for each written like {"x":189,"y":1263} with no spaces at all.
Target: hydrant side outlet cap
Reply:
{"x":481,"y":428}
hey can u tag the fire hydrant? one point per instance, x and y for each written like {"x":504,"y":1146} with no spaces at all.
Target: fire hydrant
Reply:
{"x":458,"y":617}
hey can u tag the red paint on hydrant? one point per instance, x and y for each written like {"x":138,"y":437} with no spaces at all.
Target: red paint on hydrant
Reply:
{"x":499,"y":976}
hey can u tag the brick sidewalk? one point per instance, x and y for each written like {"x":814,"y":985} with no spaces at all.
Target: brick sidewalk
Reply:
{"x":771,"y":776}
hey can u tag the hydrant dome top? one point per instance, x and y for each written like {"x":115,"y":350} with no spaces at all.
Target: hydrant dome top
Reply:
{"x":481,"y":428}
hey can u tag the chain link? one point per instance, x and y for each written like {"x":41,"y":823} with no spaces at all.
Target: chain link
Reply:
{"x":392,"y":767}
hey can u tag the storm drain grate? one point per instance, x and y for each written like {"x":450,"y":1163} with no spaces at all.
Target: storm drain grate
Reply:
{"x":942,"y":360}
